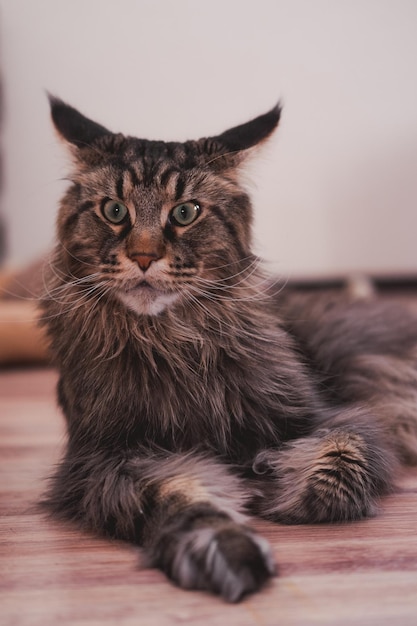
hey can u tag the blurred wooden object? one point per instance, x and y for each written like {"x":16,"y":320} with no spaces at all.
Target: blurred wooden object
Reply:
{"x":22,"y":341}
{"x":52,"y":573}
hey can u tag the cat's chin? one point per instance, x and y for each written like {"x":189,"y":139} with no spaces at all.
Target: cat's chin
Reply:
{"x":145,"y":300}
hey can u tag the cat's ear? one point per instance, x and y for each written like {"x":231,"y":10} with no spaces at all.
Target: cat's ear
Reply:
{"x":73,"y":127}
{"x":231,"y":147}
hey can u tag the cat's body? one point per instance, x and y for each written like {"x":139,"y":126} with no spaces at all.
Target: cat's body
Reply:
{"x":193,"y":394}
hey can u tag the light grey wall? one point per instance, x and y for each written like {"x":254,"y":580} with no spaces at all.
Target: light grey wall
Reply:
{"x":335,"y":191}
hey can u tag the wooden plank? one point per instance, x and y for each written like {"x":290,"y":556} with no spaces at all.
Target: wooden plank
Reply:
{"x":52,"y":573}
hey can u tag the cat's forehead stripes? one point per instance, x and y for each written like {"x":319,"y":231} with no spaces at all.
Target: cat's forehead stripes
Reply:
{"x":147,"y":199}
{"x":119,"y":187}
{"x":158,"y":164}
{"x":179,"y":187}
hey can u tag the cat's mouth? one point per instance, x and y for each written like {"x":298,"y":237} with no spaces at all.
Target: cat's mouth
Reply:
{"x":145,"y":298}
{"x":143,"y":286}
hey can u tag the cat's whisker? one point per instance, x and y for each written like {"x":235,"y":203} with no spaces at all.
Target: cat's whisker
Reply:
{"x":63,"y":277}
{"x":220,"y":319}
{"x":250,"y":291}
{"x":251,"y":267}
{"x":82,"y":296}
{"x":78,"y":283}
{"x":72,"y":304}
{"x":69,"y":305}
{"x":71,"y":280}
{"x":72,"y":255}
{"x":16,"y":281}
{"x":215,"y":268}
{"x":281,"y":285}
{"x":225,"y":281}
{"x":245,"y":283}
{"x":4,"y":291}
{"x":35,"y":296}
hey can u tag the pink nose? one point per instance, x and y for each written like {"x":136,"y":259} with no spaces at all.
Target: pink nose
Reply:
{"x":144,"y":259}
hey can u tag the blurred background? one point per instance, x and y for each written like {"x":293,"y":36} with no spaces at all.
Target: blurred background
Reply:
{"x":335,"y":191}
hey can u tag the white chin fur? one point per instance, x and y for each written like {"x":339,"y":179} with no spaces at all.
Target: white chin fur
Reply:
{"x":147,"y":303}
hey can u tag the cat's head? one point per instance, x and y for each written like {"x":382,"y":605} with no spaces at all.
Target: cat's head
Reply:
{"x":153,"y":221}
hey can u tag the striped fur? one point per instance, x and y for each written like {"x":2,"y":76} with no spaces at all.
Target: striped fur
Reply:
{"x":193,"y":394}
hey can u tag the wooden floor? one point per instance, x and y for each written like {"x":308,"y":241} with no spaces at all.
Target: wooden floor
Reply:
{"x":52,"y":574}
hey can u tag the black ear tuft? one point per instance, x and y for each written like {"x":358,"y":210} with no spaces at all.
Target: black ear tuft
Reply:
{"x":74,"y":127}
{"x":250,"y":134}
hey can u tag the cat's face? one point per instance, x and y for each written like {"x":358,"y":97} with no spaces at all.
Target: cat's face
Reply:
{"x":152,"y":222}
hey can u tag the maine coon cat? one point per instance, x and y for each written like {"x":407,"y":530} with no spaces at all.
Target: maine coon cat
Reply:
{"x":194,"y":393}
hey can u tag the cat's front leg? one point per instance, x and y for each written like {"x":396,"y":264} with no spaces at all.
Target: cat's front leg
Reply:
{"x":200,"y":547}
{"x":185,"y":510}
{"x":196,"y":534}
{"x":336,"y":474}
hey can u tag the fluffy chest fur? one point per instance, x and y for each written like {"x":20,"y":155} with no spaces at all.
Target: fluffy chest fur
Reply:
{"x":177,"y":380}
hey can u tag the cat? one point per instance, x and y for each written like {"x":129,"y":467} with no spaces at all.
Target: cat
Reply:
{"x":196,"y":391}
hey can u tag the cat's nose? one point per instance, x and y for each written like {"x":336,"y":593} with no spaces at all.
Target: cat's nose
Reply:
{"x":144,"y":259}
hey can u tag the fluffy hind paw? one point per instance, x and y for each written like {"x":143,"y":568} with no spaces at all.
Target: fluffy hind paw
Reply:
{"x":333,"y":476}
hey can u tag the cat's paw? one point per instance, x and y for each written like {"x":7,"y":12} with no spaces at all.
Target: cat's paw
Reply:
{"x":334,"y":476}
{"x":230,"y":561}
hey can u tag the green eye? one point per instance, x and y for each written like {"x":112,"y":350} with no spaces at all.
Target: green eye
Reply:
{"x":185,"y":213}
{"x":114,"y":211}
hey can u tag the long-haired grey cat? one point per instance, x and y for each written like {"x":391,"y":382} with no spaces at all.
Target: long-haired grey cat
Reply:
{"x":194,"y":395}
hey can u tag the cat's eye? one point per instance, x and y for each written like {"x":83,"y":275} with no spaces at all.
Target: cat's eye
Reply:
{"x":185,"y":213}
{"x":114,"y":211}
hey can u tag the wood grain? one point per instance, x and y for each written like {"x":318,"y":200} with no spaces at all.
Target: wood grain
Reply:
{"x":54,"y":574}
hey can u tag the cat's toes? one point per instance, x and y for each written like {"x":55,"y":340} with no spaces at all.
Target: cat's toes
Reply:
{"x":230,"y":561}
